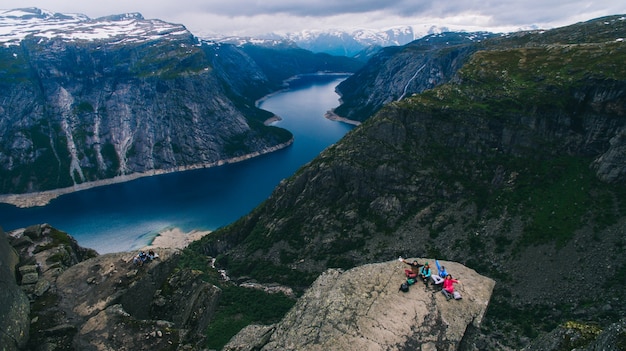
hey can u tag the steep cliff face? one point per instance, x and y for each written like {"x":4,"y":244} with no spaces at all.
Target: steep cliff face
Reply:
{"x":513,"y":168}
{"x":77,"y":109}
{"x":84,"y":113}
{"x":398,"y":72}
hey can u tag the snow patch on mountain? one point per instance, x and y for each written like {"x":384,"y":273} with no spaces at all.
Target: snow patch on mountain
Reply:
{"x":344,"y":42}
{"x":18,"y":24}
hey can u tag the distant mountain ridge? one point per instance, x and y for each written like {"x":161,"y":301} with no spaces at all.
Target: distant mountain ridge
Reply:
{"x":344,"y":42}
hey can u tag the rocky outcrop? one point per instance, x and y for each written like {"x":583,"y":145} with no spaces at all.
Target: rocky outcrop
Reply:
{"x":70,"y":297}
{"x":109,"y":301}
{"x":363,"y":309}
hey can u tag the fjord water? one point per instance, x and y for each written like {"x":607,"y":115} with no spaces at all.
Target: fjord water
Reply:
{"x":126,"y":216}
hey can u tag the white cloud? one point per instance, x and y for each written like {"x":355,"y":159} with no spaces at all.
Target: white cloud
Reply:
{"x":250,"y":17}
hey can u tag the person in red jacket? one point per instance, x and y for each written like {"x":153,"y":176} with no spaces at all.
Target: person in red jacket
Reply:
{"x":448,"y":286}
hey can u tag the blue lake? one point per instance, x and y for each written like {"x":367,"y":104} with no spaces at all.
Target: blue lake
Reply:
{"x":126,"y":216}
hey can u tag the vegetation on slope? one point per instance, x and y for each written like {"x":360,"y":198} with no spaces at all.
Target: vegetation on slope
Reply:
{"x":238,"y":306}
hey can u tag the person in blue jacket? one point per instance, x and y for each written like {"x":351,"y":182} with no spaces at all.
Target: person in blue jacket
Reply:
{"x":441,"y":273}
{"x":441,"y":269}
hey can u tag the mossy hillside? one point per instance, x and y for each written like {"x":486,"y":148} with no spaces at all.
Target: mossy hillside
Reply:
{"x":505,"y":83}
{"x":599,"y":30}
{"x":556,"y":195}
{"x":170,"y":60}
{"x":13,"y":67}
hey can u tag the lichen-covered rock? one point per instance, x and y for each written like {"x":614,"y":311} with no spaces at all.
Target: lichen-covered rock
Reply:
{"x":583,"y":337}
{"x":362,"y":309}
{"x":613,"y":338}
{"x":14,"y":305}
{"x":113,"y":327}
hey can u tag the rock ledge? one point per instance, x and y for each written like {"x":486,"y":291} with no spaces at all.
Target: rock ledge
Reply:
{"x":362,"y":309}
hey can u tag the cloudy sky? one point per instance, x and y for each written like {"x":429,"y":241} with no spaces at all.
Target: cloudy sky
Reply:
{"x":254,"y":17}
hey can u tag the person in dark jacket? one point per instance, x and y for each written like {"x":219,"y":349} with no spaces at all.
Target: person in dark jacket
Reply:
{"x":415,"y":268}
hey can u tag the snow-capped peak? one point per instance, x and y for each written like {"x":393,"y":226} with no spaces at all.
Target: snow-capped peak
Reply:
{"x":17,"y":24}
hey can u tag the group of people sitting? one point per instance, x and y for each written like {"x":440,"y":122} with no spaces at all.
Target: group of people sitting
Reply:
{"x":424,"y":273}
{"x":142,"y":257}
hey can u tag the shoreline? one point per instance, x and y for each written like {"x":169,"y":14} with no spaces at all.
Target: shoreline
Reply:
{"x":174,"y":238}
{"x":43,"y":198}
{"x":274,"y":118}
{"x":331,"y":115}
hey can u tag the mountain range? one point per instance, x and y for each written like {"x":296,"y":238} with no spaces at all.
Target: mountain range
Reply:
{"x":345,"y":43}
{"x":351,"y":43}
{"x":505,"y":154}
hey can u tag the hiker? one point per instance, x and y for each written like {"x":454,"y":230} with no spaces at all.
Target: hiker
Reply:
{"x":441,"y":274}
{"x":152,"y":255}
{"x":425,"y":273}
{"x":140,"y":258}
{"x":137,"y":260}
{"x":415,"y":268}
{"x":448,"y":287}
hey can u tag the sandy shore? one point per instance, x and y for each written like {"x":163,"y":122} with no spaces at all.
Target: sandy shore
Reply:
{"x":175,"y":238}
{"x":331,"y":115}
{"x":274,"y":118}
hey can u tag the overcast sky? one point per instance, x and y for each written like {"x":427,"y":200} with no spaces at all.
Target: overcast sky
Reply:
{"x":254,"y":17}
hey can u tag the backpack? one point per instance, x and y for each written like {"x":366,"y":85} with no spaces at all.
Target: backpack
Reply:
{"x":410,"y":281}
{"x":457,"y":295}
{"x":404,"y":287}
